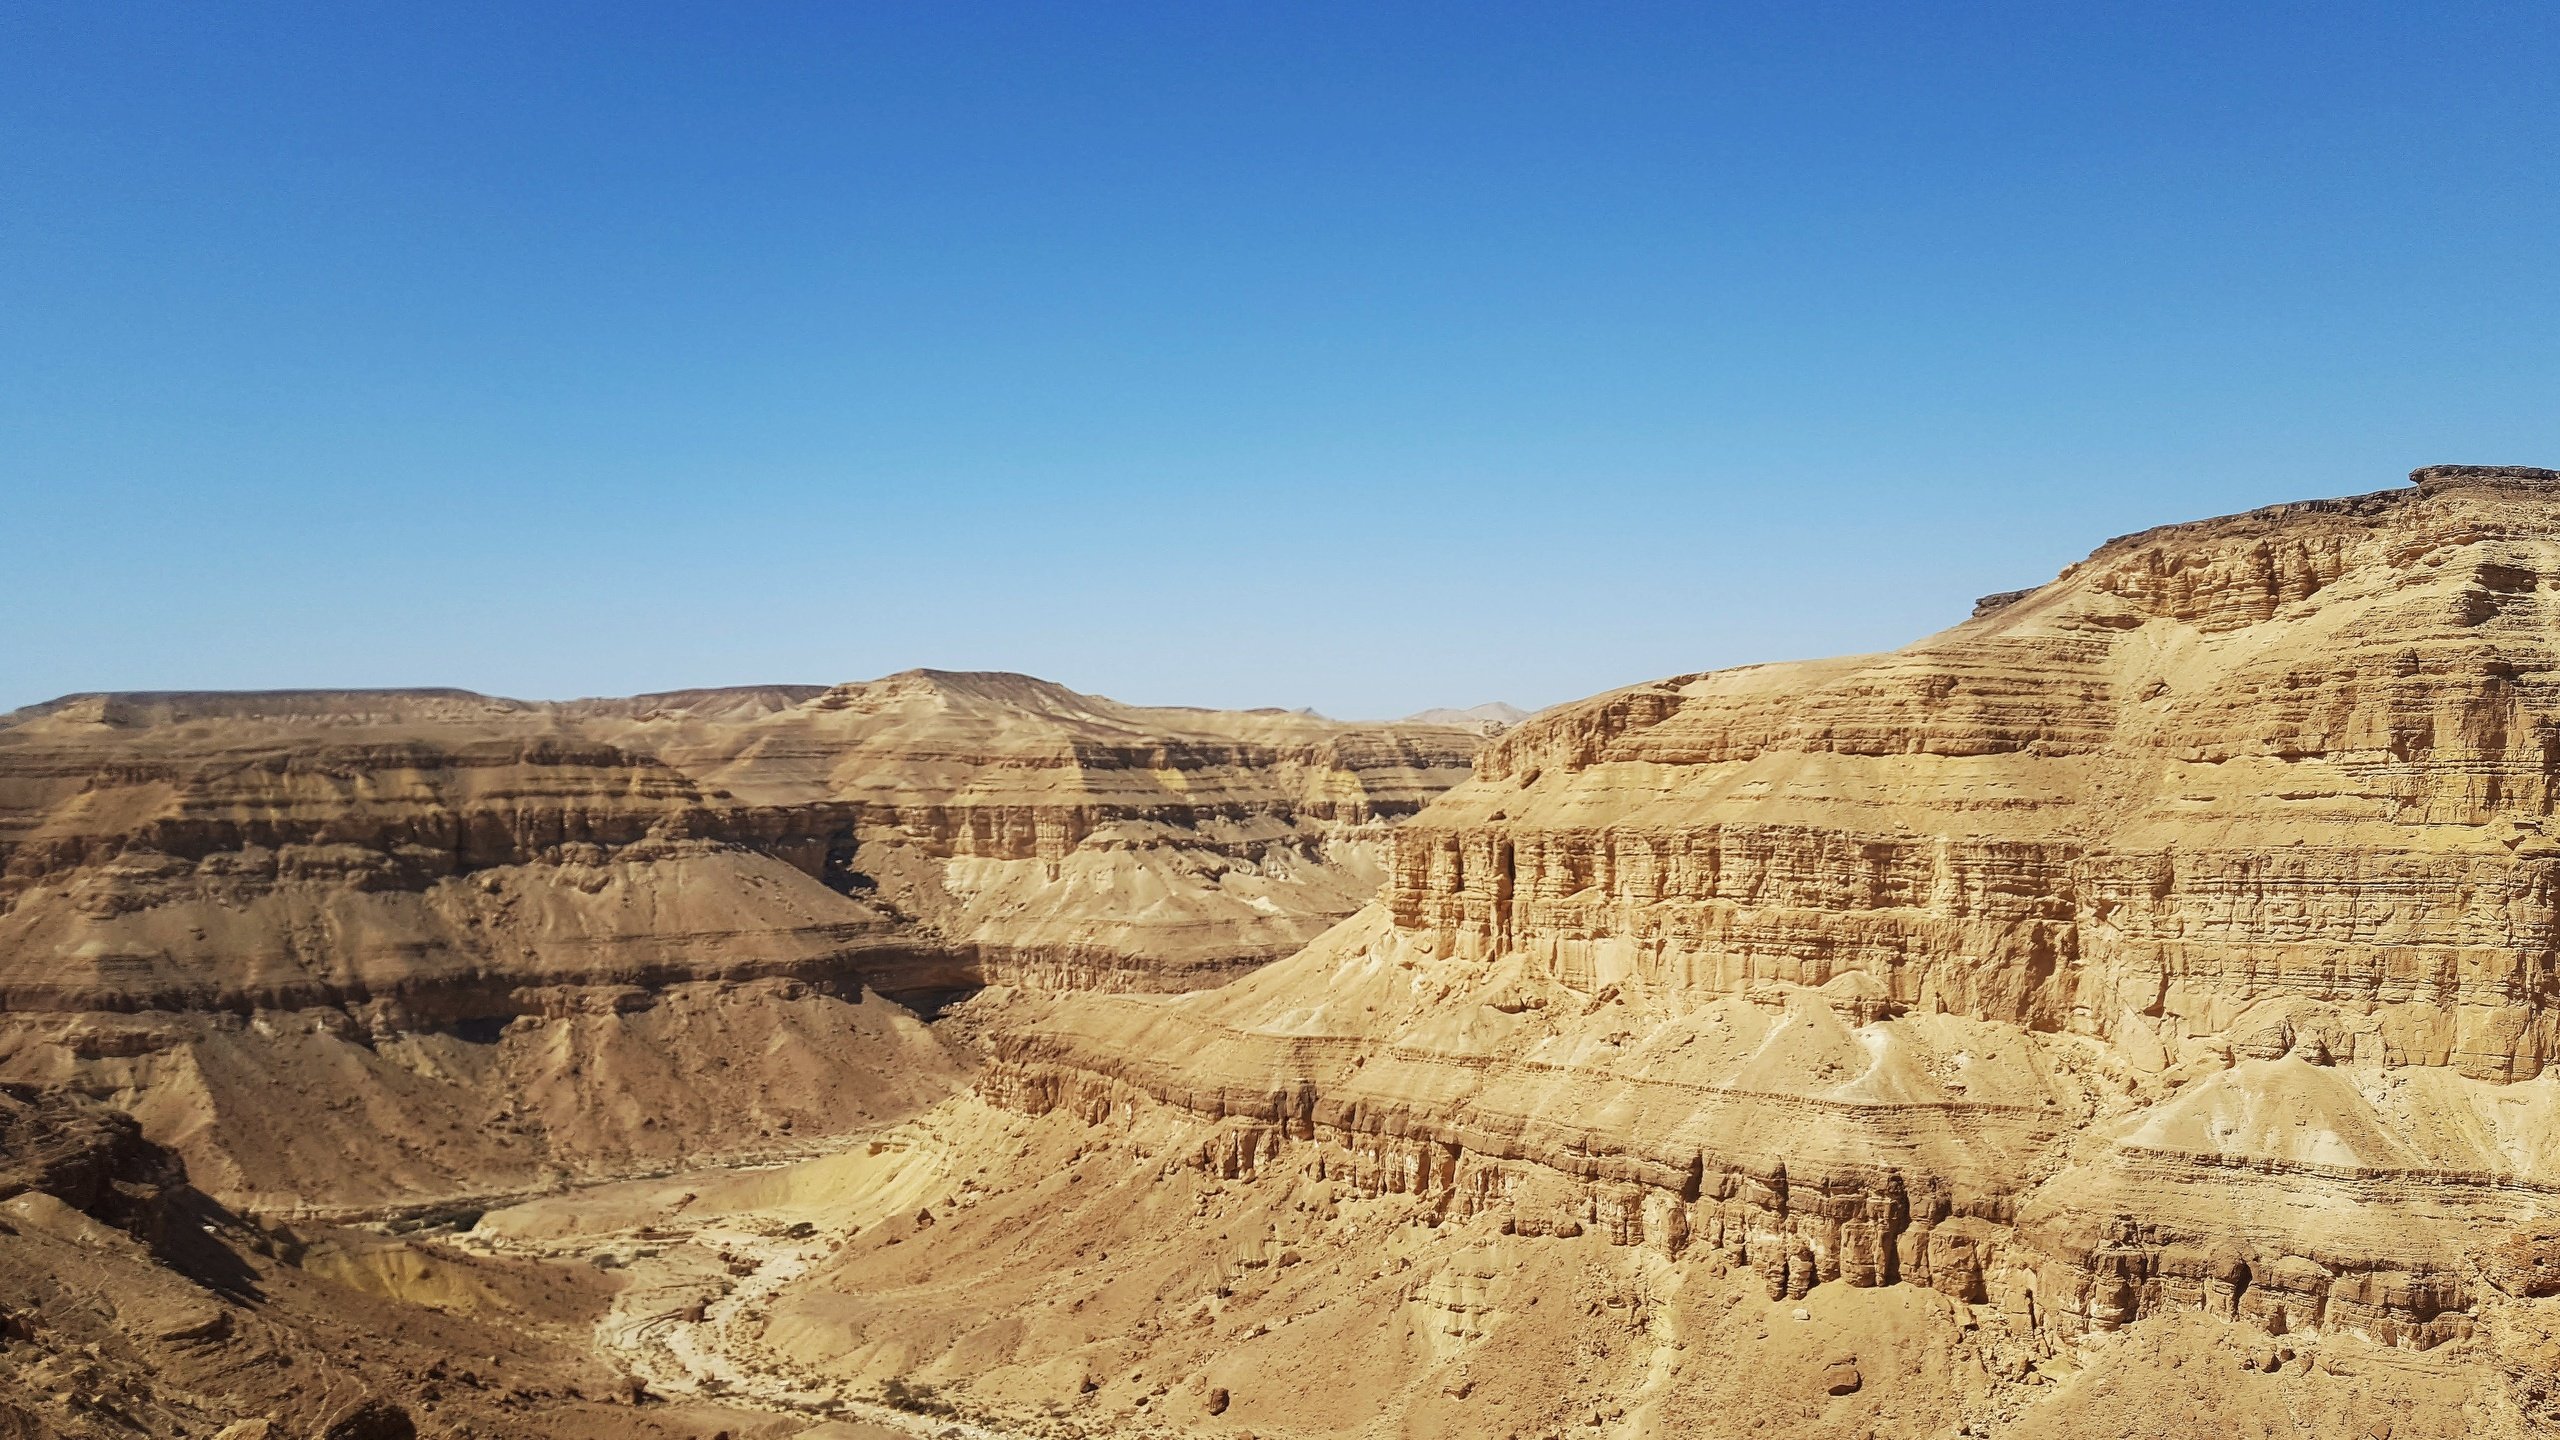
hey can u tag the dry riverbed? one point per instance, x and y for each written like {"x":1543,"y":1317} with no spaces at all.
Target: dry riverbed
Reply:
{"x":703,"y":1255}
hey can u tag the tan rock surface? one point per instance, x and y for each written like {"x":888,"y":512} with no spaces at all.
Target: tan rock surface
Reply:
{"x":131,"y":1305}
{"x":2163,"y":953}
{"x":359,"y":951}
{"x":1063,"y":839}
{"x":926,"y":830}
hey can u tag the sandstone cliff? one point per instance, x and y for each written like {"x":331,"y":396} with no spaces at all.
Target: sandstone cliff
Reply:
{"x":2171,"y":939}
{"x":2126,"y":1013}
{"x":1068,"y":840}
{"x":488,"y":944}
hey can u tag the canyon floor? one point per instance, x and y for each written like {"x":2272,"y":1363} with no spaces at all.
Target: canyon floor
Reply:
{"x":973,"y":1270}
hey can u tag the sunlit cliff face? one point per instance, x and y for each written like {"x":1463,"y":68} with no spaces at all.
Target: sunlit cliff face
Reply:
{"x":485,"y":944}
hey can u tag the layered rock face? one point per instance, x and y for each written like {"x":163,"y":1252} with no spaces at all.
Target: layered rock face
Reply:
{"x":487,"y":944}
{"x":422,"y":851}
{"x":2176,"y":936}
{"x":1062,"y":839}
{"x":2280,"y":779}
{"x":2125,"y":1013}
{"x":927,"y":830}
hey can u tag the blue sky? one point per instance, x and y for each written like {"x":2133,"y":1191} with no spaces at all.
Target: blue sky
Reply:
{"x":1366,"y":357}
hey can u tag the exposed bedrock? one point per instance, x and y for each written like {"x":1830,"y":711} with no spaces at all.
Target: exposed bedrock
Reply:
{"x":130,"y":1304}
{"x":2439,"y":958}
{"x":298,"y":848}
{"x":2178,"y":935}
{"x":2305,"y":752}
{"x":392,"y":909}
{"x":331,"y":1113}
{"x":1798,"y":1217}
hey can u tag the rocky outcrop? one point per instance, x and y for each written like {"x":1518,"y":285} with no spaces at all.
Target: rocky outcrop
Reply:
{"x":130,"y":1304}
{"x":439,"y":848}
{"x":2176,"y":936}
{"x":431,"y":849}
{"x":512,"y":930}
{"x":1061,"y":839}
{"x":2302,"y":756}
{"x":86,"y":1156}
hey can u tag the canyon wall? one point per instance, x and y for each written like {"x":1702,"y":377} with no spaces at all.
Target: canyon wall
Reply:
{"x":487,"y":945}
{"x":1065,"y":840}
{"x":2294,"y":766}
{"x":2175,"y":936}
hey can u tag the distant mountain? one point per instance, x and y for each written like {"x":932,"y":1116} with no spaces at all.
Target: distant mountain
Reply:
{"x":736,"y":867}
{"x":1489,"y":717}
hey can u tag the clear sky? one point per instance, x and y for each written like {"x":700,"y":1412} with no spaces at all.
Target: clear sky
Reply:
{"x":1364,"y":356}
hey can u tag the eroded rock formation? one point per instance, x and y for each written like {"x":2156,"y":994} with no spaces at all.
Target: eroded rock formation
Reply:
{"x":487,"y":945}
{"x":2176,"y":936}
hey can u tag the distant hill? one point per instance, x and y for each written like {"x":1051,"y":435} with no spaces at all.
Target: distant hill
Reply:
{"x":1491,"y":716}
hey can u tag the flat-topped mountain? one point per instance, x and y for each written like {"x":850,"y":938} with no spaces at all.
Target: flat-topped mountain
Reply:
{"x":732,"y":868}
{"x":2285,"y":772}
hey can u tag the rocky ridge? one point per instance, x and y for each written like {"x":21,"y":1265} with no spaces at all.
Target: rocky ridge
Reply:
{"x":492,"y":944}
{"x":1491,"y":718}
{"x":2175,"y":937}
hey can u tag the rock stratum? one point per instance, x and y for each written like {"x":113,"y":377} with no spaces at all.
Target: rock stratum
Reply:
{"x":486,"y":945}
{"x":2175,"y":939}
